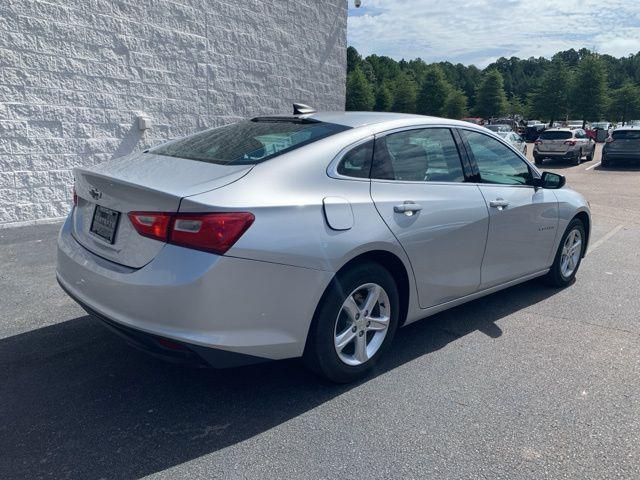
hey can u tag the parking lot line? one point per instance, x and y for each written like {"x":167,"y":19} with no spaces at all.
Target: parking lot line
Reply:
{"x":605,"y":238}
{"x":593,"y":166}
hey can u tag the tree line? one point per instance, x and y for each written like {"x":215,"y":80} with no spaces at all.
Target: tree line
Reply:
{"x":572,"y":84}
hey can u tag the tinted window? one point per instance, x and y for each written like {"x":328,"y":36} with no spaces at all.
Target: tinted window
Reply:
{"x":626,"y":135}
{"x":581,"y":134}
{"x":423,"y":155}
{"x":357,"y":162}
{"x":555,"y":135}
{"x":249,"y":142}
{"x":496,"y":162}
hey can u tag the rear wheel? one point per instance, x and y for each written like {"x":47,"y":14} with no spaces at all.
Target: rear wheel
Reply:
{"x":578,"y":157}
{"x":539,"y":161}
{"x":605,"y":162}
{"x":354,"y":323}
{"x":569,"y":255}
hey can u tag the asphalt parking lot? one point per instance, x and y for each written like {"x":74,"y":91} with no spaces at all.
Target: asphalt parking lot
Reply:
{"x":529,"y":383}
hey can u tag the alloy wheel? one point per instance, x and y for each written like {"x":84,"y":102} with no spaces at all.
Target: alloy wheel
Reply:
{"x":362,"y":324}
{"x":571,"y":251}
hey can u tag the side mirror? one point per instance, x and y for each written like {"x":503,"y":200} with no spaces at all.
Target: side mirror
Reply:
{"x":552,"y":181}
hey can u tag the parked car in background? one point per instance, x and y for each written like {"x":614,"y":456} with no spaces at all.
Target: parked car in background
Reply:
{"x":474,"y":120}
{"x":574,"y":124}
{"x":516,"y":140}
{"x":564,"y":144}
{"x":531,"y":123}
{"x":512,"y":123}
{"x":532,"y":132}
{"x":622,"y":144}
{"x":313,"y":236}
{"x":601,"y":131}
{"x":498,"y":128}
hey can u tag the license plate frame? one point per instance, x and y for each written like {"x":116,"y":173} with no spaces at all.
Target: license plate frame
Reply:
{"x":106,"y":225}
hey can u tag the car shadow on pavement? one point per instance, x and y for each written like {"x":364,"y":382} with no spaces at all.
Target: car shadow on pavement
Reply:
{"x":78,"y":402}
{"x":562,"y":164}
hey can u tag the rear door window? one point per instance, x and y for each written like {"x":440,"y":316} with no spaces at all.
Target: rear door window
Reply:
{"x":421,"y":155}
{"x":555,"y":135}
{"x":249,"y":142}
{"x":626,"y":135}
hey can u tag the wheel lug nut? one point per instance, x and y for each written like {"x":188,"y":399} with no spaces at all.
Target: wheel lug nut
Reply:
{"x":357,"y":316}
{"x":368,"y":324}
{"x":361,"y":333}
{"x":354,"y":329}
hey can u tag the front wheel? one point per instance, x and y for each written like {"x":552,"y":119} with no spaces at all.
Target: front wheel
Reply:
{"x":354,"y":323}
{"x":591,"y":154}
{"x":569,"y":255}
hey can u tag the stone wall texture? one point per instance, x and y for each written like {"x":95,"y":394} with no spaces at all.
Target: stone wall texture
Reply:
{"x":75,"y":75}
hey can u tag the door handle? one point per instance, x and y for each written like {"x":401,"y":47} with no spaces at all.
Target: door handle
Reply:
{"x":408,"y":208}
{"x":499,"y":203}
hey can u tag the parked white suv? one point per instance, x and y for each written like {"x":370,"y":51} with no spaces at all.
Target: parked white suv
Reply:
{"x":564,"y":144}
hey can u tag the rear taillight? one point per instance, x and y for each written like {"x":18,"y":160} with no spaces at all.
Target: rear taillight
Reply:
{"x":211,"y":232}
{"x":571,"y":142}
{"x":151,"y":224}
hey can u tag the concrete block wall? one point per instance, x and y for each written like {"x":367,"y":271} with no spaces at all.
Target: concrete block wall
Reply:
{"x":75,"y":74}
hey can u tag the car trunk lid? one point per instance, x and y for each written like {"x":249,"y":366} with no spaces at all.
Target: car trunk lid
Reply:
{"x":107,"y":192}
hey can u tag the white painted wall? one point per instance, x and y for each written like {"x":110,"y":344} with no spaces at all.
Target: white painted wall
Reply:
{"x":74,"y":74}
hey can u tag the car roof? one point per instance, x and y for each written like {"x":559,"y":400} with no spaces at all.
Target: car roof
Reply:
{"x":627,"y":127}
{"x":379,"y":119}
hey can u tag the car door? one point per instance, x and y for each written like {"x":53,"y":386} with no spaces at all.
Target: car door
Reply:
{"x":419,"y":188}
{"x":523,"y":220}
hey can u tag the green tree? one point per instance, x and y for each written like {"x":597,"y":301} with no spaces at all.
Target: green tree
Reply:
{"x":359,"y":91}
{"x":588,"y":90}
{"x":515,"y":106}
{"x":491,"y":100}
{"x":353,"y":59}
{"x":404,"y":94}
{"x":455,"y":105}
{"x":550,"y":100}
{"x":625,"y":103}
{"x":433,"y":93}
{"x":384,"y":98}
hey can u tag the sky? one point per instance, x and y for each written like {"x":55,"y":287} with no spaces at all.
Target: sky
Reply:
{"x":480,"y":31}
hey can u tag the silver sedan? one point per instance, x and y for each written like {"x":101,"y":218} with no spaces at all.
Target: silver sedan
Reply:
{"x":313,"y":235}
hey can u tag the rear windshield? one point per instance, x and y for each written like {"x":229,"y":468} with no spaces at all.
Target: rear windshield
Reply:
{"x":626,"y":135}
{"x":555,"y":135}
{"x":249,"y":142}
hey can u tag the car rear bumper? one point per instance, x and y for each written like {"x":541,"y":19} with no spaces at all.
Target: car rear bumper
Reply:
{"x":634,"y":156}
{"x":250,"y":309}
{"x":571,"y":154}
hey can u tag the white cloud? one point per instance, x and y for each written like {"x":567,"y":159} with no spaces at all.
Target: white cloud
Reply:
{"x":480,"y":31}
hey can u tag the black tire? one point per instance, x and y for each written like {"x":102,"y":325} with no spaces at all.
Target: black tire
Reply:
{"x":525,"y":151}
{"x":577,"y":159}
{"x":320,"y":354}
{"x":591,"y":154}
{"x":539,"y":161}
{"x":555,"y":277}
{"x":605,"y":162}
